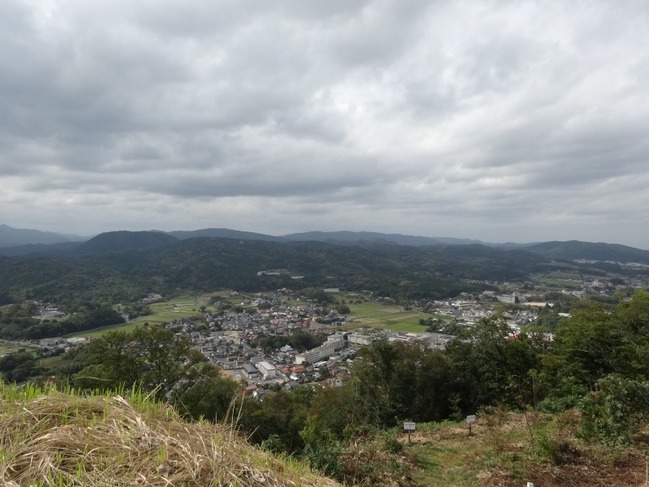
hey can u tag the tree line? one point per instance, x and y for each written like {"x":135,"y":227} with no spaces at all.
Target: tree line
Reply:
{"x":19,"y":322}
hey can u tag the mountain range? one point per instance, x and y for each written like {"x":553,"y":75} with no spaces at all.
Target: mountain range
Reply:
{"x":20,"y":242}
{"x":123,"y":266}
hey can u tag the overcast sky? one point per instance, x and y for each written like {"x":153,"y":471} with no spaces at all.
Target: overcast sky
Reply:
{"x":496,"y":120}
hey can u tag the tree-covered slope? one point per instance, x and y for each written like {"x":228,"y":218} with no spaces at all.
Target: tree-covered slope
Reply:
{"x":375,"y":237}
{"x":575,"y":249}
{"x":223,"y":233}
{"x":123,"y":240}
{"x":122,"y":266}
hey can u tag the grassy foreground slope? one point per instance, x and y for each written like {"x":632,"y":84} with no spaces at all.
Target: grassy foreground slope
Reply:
{"x":50,"y":438}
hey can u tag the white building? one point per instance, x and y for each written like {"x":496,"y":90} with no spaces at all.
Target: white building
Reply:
{"x":267,"y":370}
{"x":328,"y":348}
{"x":359,"y":339}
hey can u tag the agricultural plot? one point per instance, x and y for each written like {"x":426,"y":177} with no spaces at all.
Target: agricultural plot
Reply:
{"x":7,"y":347}
{"x":390,"y":317}
{"x":563,"y":279}
{"x":161,"y":312}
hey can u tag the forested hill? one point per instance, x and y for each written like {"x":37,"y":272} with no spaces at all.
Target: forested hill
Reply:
{"x":224,"y":233}
{"x":574,"y":249}
{"x":205,"y":264}
{"x":124,"y":266}
{"x":15,"y":242}
{"x":119,"y":241}
{"x":359,"y":237}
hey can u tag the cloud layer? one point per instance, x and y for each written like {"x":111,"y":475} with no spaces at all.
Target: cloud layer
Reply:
{"x":499,"y":120}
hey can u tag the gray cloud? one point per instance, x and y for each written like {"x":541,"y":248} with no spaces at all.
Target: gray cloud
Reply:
{"x":494,"y":120}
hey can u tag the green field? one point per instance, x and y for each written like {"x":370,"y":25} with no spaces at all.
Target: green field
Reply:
{"x":391,"y":317}
{"x":561,"y":279}
{"x":161,"y":313}
{"x":8,"y":347}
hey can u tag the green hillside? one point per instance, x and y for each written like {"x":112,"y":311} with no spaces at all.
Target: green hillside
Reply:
{"x":205,"y":264}
{"x":574,"y":249}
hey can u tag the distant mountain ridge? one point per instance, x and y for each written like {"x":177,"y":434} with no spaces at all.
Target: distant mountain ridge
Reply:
{"x":40,"y":249}
{"x":125,"y":240}
{"x":575,"y":250}
{"x":14,"y":237}
{"x":351,"y":237}
{"x":125,"y":265}
{"x":16,"y":242}
{"x":223,"y":233}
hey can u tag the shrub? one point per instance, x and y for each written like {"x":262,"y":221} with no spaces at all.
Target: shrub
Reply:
{"x":610,"y":413}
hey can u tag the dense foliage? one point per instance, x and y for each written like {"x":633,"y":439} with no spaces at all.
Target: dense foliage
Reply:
{"x":159,"y":362}
{"x":18,"y":322}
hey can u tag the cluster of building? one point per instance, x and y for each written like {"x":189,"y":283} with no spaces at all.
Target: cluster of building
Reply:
{"x":227,"y":338}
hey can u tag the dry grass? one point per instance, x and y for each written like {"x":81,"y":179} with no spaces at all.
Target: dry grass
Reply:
{"x":63,"y":439}
{"x":369,"y":464}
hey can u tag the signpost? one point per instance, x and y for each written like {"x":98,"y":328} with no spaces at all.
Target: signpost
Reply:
{"x":409,"y":426}
{"x":470,"y":420}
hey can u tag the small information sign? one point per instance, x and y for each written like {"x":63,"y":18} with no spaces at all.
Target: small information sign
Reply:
{"x":409,"y":426}
{"x":470,"y":420}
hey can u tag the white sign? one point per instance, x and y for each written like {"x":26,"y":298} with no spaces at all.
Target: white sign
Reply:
{"x":409,"y":426}
{"x":470,"y":419}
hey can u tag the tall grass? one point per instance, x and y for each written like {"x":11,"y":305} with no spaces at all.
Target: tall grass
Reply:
{"x":51,"y":437}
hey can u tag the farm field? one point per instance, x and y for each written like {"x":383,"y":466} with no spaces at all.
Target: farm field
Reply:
{"x":161,"y":312}
{"x":7,"y":347}
{"x":391,"y":317}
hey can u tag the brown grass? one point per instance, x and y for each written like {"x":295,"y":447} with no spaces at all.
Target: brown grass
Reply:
{"x":62,"y":439}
